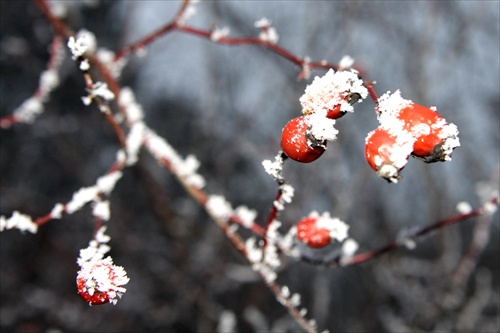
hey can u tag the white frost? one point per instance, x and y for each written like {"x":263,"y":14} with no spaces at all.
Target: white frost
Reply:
{"x":18,"y":221}
{"x":330,"y":90}
{"x":219,"y":207}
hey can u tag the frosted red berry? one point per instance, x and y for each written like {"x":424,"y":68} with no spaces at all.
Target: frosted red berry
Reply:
{"x":297,"y":144}
{"x":434,"y":138}
{"x":311,"y":234}
{"x":93,"y":297}
{"x":101,"y":281}
{"x":387,"y":152}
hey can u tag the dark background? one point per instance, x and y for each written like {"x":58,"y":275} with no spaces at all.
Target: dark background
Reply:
{"x":227,"y":106}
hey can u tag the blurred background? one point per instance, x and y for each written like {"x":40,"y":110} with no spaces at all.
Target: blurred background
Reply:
{"x":227,"y":105}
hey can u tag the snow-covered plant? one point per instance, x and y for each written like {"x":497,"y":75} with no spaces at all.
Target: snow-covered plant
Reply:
{"x":406,"y":129}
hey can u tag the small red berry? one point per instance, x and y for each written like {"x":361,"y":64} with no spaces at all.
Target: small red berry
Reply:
{"x":318,"y":231}
{"x":434,"y":138}
{"x":309,"y":233}
{"x":387,"y":152}
{"x":93,"y":298}
{"x":297,"y":144}
{"x":101,"y":281}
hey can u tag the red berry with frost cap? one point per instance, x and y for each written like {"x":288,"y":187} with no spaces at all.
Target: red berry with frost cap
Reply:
{"x":434,"y":138}
{"x":387,"y":152}
{"x":93,"y":297}
{"x":101,"y":281}
{"x":318,"y":231}
{"x":297,"y":144}
{"x":310,"y":234}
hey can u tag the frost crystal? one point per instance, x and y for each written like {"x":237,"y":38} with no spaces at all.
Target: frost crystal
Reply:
{"x":287,"y":192}
{"x":132,"y":108}
{"x":337,"y":228}
{"x":107,"y":57}
{"x":345,"y":63}
{"x":275,"y":168}
{"x":57,"y":211}
{"x":29,"y":110}
{"x":18,"y":221}
{"x":321,"y":128}
{"x":331,"y":90}
{"x":489,"y":208}
{"x":189,"y":12}
{"x":101,"y":210}
{"x":349,"y":248}
{"x":246,"y":215}
{"x":463,"y":207}
{"x":218,"y":207}
{"x":254,"y":253}
{"x":106,"y":183}
{"x":81,"y":198}
{"x":391,"y":104}
{"x":219,"y":33}
{"x":100,"y":89}
{"x":268,"y":33}
{"x":48,"y":81}
{"x":85,"y":41}
{"x":134,"y":142}
{"x":97,"y":248}
{"x":186,"y":169}
{"x":101,"y":236}
{"x":262,"y":23}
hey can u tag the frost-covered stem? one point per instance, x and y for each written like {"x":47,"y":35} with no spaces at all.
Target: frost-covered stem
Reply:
{"x":419,"y":233}
{"x":32,"y":107}
{"x":292,"y":309}
{"x":223,"y":40}
{"x":272,"y":214}
{"x":105,"y":109}
{"x":274,"y":210}
{"x":369,"y":255}
{"x":144,"y":41}
{"x":64,"y":31}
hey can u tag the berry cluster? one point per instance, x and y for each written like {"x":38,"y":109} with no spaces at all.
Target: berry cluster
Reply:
{"x":327,"y":98}
{"x":407,"y":129}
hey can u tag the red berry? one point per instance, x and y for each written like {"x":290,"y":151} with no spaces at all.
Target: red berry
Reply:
{"x":93,"y":298}
{"x":434,"y":138}
{"x":387,"y":152}
{"x":297,"y":144}
{"x":309,"y":233}
{"x":101,"y":281}
{"x":335,"y":113}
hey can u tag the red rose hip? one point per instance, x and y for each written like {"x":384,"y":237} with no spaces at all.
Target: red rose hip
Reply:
{"x":297,"y":144}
